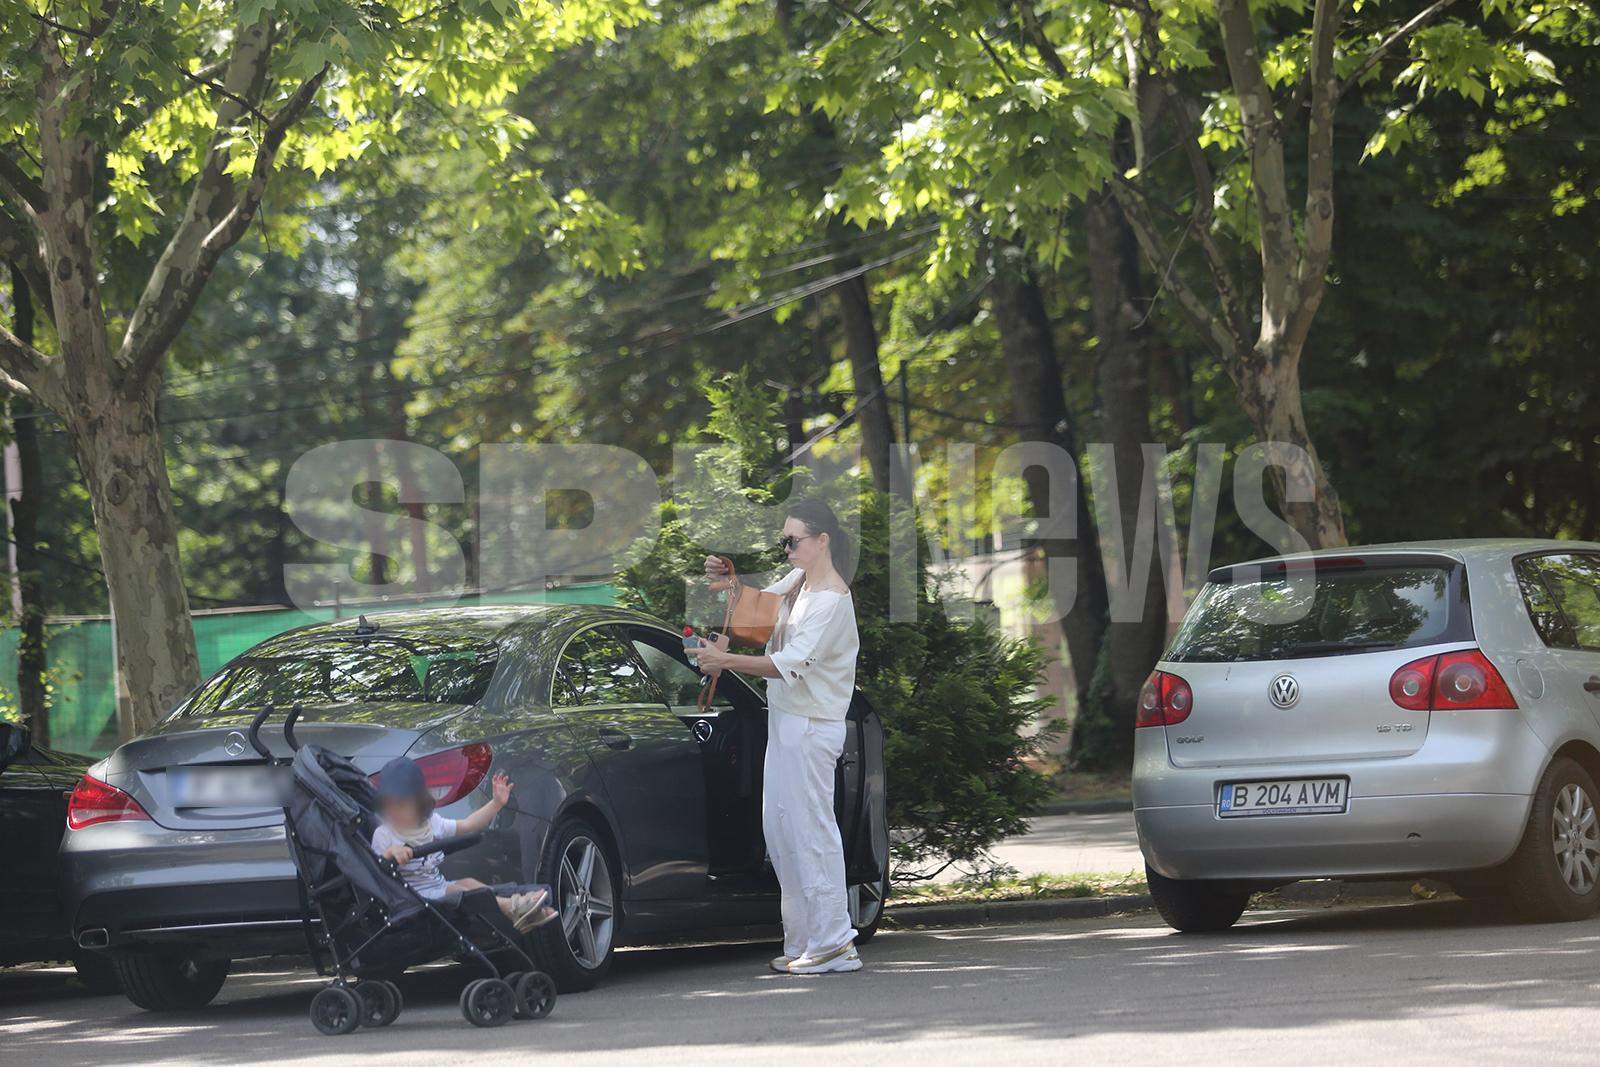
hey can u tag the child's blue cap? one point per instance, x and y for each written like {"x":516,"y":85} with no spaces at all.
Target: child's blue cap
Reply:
{"x":400,"y":778}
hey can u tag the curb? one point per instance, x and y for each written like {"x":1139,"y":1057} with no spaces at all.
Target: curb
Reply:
{"x":1084,"y":807}
{"x":911,"y":916}
{"x":905,"y":916}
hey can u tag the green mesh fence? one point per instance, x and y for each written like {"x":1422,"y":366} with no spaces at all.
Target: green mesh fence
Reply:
{"x":80,"y":663}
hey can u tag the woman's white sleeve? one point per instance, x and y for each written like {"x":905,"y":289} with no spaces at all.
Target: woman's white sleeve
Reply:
{"x":786,"y":583}
{"x":807,"y":639}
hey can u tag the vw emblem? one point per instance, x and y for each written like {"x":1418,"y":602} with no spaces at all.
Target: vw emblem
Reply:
{"x":1284,"y":691}
{"x":234,"y":745}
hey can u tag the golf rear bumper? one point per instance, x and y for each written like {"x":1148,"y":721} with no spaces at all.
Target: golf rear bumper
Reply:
{"x":1376,"y":837}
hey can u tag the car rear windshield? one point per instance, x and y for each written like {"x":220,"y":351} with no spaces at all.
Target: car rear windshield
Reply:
{"x":350,"y":671}
{"x":1250,"y":614}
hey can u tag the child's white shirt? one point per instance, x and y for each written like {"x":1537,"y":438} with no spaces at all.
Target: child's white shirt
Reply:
{"x":420,"y":874}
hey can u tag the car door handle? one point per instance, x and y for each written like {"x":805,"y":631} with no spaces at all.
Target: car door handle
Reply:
{"x":611,"y":737}
{"x":1592,"y":685}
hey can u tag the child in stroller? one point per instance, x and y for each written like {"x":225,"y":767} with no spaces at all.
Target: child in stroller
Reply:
{"x":364,"y":924}
{"x":409,"y":823}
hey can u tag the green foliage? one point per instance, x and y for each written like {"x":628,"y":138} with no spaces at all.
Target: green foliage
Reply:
{"x":955,"y":695}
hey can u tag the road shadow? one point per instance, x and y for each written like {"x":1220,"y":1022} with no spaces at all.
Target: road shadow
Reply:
{"x":1277,"y":971}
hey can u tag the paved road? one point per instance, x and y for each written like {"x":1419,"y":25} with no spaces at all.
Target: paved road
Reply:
{"x":1423,"y":983}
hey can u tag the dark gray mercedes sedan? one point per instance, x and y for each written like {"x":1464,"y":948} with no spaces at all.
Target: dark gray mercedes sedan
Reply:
{"x":643,"y":813}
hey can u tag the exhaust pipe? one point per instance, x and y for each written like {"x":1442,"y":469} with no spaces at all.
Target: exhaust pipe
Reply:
{"x":94,"y":937}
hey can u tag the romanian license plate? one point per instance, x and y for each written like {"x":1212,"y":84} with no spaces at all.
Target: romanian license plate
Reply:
{"x":226,"y":787}
{"x":1285,"y":796}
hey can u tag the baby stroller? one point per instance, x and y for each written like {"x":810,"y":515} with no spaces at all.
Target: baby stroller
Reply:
{"x":368,"y":922}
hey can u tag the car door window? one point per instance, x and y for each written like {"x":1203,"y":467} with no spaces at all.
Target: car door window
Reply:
{"x":680,"y":681}
{"x":598,"y":669}
{"x":1562,"y":595}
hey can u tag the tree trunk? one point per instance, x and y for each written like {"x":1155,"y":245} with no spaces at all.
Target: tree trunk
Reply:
{"x":405,"y":476}
{"x":119,"y":448}
{"x":866,"y":374}
{"x":1040,"y":410}
{"x":1123,"y":389}
{"x":25,"y":503}
{"x":1268,"y":380}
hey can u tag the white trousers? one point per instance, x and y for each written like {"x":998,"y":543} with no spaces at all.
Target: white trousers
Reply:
{"x":802,"y":833}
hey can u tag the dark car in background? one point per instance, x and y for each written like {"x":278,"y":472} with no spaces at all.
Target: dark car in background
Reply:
{"x":34,"y":785}
{"x":643,"y":813}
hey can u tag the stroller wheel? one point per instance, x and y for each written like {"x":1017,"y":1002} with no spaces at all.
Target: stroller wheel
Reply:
{"x":335,"y":1010}
{"x":380,"y":1002}
{"x":536,"y":995}
{"x":488,"y":1002}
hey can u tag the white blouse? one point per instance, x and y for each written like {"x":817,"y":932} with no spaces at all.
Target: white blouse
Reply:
{"x":814,"y":647}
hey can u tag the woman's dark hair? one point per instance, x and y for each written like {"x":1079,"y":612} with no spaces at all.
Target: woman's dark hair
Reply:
{"x":819,"y":518}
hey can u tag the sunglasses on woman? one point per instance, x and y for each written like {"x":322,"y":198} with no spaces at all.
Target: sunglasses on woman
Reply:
{"x":788,"y":541}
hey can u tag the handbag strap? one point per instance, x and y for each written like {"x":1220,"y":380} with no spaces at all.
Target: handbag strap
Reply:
{"x":708,"y":692}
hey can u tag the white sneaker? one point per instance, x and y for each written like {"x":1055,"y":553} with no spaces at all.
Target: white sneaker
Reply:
{"x":841,"y":959}
{"x":781,"y":963}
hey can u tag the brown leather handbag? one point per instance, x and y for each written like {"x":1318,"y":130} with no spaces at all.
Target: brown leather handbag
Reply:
{"x":752,"y":614}
{"x":750,"y":618}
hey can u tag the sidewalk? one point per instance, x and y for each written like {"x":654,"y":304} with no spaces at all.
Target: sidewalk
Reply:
{"x":1102,"y":843}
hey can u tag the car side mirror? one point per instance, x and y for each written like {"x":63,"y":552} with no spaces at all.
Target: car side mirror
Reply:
{"x":15,"y":741}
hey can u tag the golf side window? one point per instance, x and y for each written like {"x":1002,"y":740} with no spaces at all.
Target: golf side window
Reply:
{"x":1562,"y":595}
{"x":597,"y":670}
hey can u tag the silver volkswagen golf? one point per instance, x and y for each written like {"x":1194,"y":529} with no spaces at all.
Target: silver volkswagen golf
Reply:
{"x":1426,"y":709}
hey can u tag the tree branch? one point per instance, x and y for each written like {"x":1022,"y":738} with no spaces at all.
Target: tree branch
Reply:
{"x":25,"y":371}
{"x":1217,"y":329}
{"x":20,"y":185}
{"x":1402,"y":33}
{"x":223,"y":91}
{"x":203,"y":76}
{"x":858,"y":17}
{"x":1028,"y":18}
{"x":1229,"y":293}
{"x":206,"y":233}
{"x":1263,"y":134}
{"x":1317,"y":248}
{"x":19,"y":244}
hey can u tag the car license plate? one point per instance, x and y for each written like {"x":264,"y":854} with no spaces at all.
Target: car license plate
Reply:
{"x":249,"y":786}
{"x":1285,"y":796}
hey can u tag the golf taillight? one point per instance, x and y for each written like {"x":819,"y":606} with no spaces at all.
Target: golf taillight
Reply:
{"x":455,"y":772}
{"x":1454,"y":681}
{"x":1165,"y":700}
{"x":93,"y":801}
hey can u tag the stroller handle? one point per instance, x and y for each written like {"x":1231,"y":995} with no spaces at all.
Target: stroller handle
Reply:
{"x":255,"y":734}
{"x":447,"y":845}
{"x":288,"y":728}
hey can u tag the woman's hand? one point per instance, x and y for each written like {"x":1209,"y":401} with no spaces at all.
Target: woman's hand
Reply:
{"x":502,"y":789}
{"x":713,"y":657}
{"x":716,"y":570}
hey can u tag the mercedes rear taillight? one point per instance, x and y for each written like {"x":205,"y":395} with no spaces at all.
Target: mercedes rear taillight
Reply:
{"x":93,"y":801}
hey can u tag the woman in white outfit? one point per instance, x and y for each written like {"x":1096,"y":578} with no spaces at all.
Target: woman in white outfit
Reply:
{"x":810,"y":667}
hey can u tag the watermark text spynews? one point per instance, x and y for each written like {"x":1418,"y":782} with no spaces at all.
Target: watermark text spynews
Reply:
{"x":550,"y":513}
